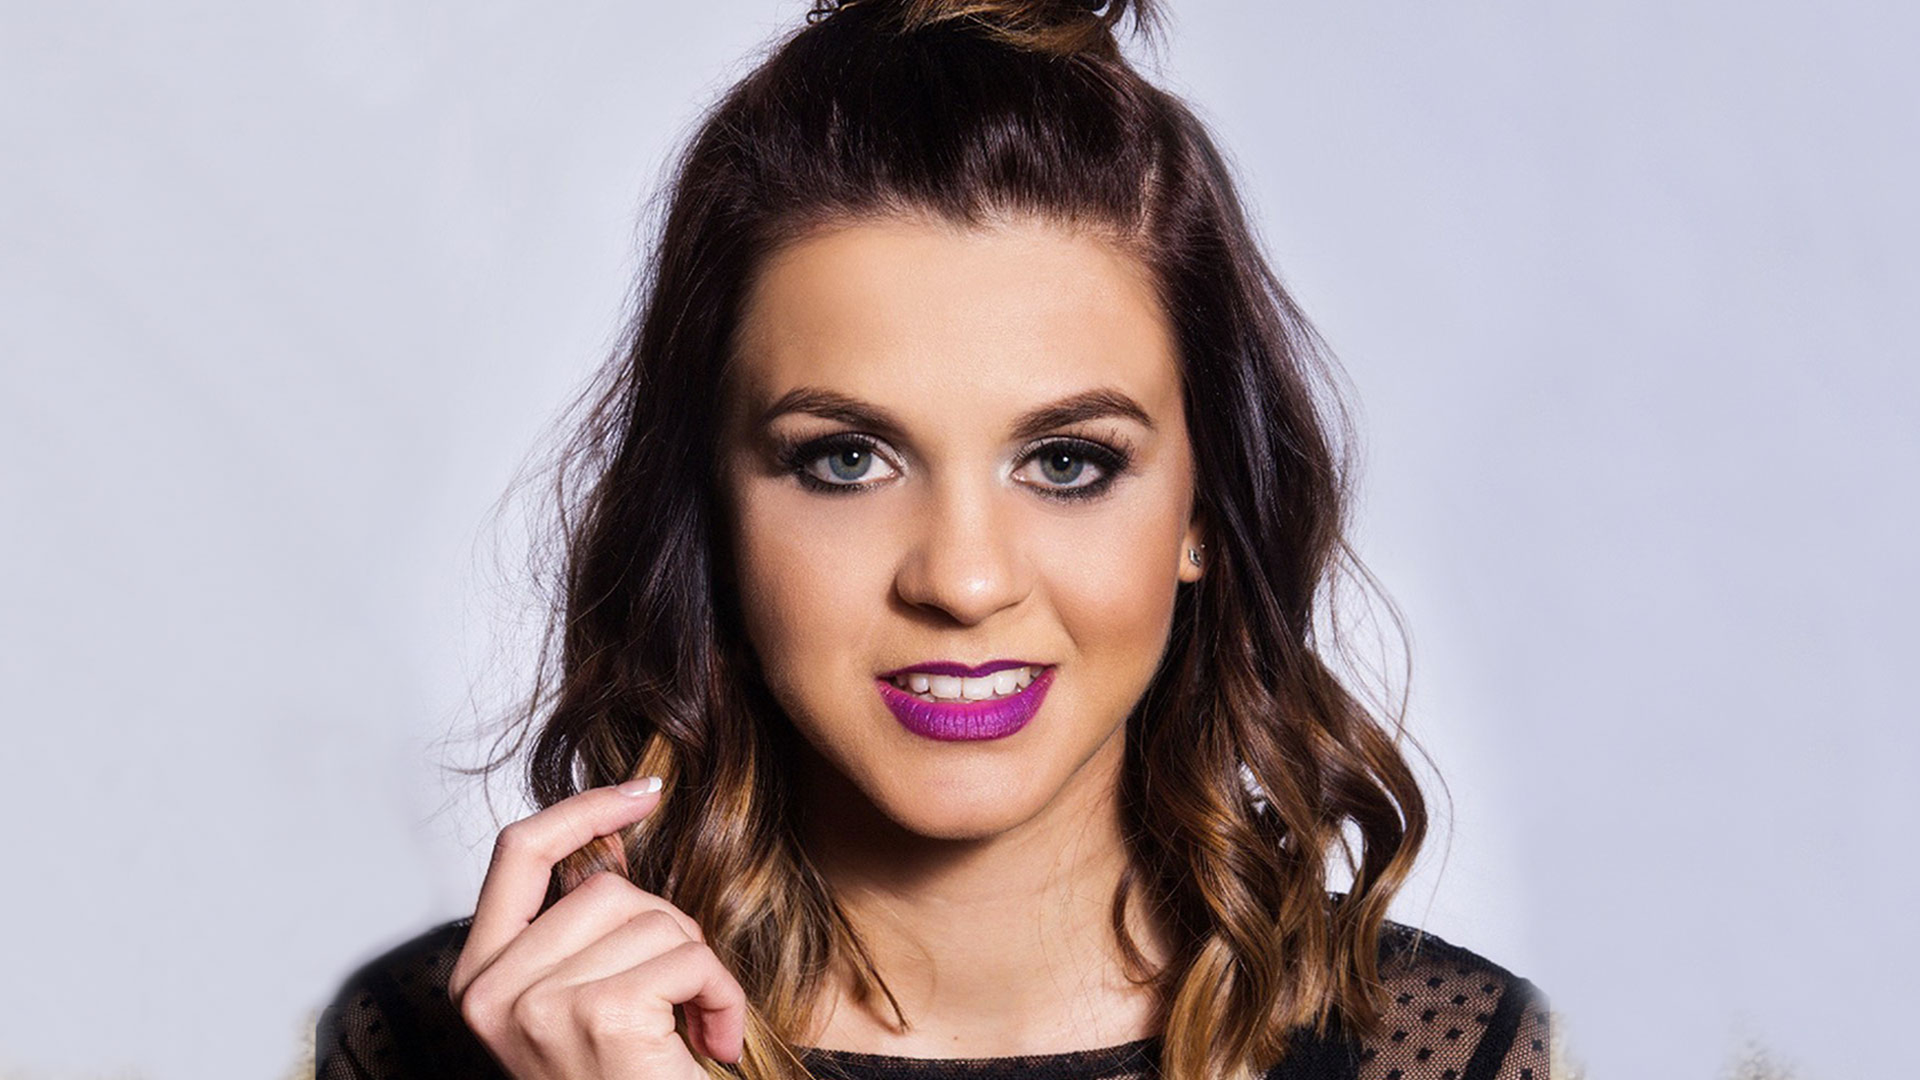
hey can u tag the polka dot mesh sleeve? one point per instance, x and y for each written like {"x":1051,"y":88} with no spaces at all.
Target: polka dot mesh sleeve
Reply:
{"x":393,"y":1020}
{"x":1453,"y":1015}
{"x":353,"y":1040}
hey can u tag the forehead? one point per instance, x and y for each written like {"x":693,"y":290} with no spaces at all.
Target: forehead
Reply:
{"x":1020,"y":309}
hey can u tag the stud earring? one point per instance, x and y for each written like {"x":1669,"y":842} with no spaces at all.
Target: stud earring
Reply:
{"x":1193,"y":556}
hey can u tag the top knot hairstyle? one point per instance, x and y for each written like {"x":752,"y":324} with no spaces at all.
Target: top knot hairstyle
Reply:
{"x":1050,"y":27}
{"x":1250,"y":767}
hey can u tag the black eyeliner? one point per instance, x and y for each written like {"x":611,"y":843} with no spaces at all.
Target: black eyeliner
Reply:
{"x":1112,"y":461}
{"x":795,"y":456}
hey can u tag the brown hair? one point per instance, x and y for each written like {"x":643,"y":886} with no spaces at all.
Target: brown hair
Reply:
{"x":1250,"y":766}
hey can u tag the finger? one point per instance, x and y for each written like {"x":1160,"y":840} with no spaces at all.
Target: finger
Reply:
{"x":593,"y":945}
{"x":691,"y":976}
{"x":526,"y":851}
{"x":629,"y":945}
{"x":598,"y":906}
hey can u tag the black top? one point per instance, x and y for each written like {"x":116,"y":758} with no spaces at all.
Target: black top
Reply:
{"x":1452,"y":1015}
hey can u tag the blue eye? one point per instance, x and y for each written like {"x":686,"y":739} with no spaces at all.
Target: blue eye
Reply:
{"x":1072,"y":468}
{"x":839,"y":464}
{"x":1061,"y":468}
{"x":849,"y":465}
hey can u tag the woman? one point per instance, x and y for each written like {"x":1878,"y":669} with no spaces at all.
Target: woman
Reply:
{"x":938,"y":685}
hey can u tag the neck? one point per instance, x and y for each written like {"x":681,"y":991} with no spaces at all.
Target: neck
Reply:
{"x":992,"y":947}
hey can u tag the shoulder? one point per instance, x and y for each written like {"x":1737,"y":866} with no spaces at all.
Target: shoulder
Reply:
{"x":1452,"y":1013}
{"x":392,"y":1019}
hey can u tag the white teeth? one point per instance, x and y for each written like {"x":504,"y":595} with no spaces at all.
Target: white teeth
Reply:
{"x":954,"y":688}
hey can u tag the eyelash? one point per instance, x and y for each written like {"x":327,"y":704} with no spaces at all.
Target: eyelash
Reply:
{"x":1112,"y":461}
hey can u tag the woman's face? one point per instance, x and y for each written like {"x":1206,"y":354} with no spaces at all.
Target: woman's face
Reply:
{"x":960,"y":498}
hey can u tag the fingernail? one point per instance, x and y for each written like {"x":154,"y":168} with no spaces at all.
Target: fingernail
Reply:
{"x":645,"y":785}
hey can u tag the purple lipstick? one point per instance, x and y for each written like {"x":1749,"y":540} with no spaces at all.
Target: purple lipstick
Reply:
{"x":931,"y":704}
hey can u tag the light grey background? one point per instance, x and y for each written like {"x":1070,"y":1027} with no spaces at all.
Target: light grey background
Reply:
{"x":1625,"y":291}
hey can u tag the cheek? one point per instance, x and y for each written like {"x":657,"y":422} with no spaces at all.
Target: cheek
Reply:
{"x":1112,"y":580}
{"x":810,"y":578}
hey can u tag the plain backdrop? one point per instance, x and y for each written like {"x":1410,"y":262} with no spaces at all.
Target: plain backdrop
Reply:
{"x":288,"y":293}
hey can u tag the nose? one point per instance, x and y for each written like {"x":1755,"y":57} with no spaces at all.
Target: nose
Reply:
{"x":965,"y":561}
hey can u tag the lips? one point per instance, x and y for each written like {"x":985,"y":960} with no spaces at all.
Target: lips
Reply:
{"x":955,"y":703}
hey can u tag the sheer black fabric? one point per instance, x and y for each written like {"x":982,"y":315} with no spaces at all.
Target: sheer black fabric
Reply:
{"x":1452,"y":1015}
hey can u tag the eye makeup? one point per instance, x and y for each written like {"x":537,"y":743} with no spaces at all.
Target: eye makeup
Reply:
{"x":1053,"y":467}
{"x":1110,"y":463}
{"x":800,"y":456}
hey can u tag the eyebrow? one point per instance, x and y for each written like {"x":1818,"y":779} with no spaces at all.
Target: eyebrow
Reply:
{"x":1100,"y":404}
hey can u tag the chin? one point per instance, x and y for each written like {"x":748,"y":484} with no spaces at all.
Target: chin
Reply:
{"x":959,"y":812}
{"x":979,"y":796}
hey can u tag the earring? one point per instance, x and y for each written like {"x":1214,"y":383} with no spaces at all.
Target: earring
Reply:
{"x":1193,"y":555}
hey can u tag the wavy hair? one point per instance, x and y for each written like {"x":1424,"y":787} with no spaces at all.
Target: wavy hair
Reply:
{"x":1250,"y":767}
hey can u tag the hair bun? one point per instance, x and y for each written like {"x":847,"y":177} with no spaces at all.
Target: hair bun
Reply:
{"x":1057,"y":27}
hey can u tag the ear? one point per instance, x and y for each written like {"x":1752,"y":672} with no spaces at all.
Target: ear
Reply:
{"x":1193,"y":552}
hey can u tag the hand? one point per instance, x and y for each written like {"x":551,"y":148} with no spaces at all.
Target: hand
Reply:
{"x":587,"y":989}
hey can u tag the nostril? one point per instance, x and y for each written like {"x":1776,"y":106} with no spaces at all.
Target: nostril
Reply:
{"x":964,"y":564}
